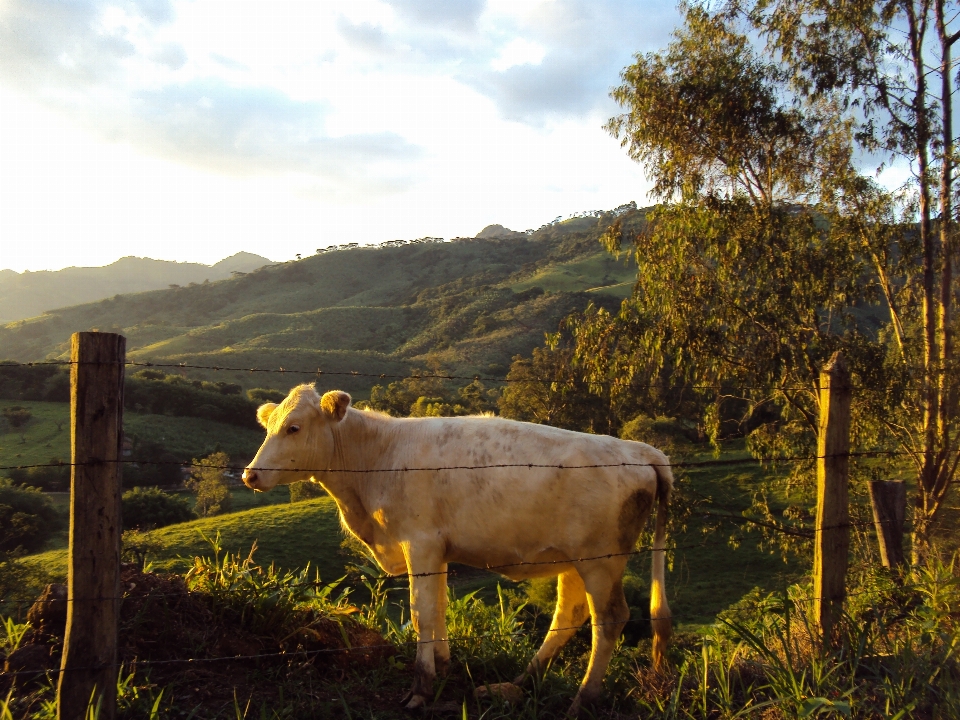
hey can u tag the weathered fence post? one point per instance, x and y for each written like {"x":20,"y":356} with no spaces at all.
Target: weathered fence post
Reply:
{"x":88,"y":670}
{"x":889,"y":502}
{"x":832,"y":540}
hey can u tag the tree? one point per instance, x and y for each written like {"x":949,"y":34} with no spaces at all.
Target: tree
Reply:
{"x":27,"y":518}
{"x":207,"y":479}
{"x":740,"y":280}
{"x":153,"y":508}
{"x":545,"y":389}
{"x":889,"y":66}
{"x":306,"y":490}
{"x":770,"y":249}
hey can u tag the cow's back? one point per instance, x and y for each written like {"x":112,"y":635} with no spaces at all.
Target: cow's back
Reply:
{"x":500,"y":492}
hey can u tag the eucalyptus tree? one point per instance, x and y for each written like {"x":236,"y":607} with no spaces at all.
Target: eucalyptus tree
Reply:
{"x":770,"y":250}
{"x":889,"y":67}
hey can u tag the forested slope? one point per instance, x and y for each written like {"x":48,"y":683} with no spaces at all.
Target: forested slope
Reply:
{"x":469,"y":305}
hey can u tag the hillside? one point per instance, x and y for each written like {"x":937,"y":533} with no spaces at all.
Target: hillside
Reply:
{"x":28,"y":294}
{"x":468,"y":305}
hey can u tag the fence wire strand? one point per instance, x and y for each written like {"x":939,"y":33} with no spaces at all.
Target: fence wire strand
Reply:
{"x":381,"y":646}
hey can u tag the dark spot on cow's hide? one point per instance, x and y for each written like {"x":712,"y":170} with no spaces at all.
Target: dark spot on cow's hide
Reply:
{"x":633,"y":516}
{"x":617,"y":611}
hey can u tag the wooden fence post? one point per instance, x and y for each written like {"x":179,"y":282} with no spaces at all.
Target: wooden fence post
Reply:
{"x":88,"y":670}
{"x":889,"y":502}
{"x":832,"y":540}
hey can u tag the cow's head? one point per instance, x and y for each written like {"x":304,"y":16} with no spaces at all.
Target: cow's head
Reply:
{"x":299,"y":441}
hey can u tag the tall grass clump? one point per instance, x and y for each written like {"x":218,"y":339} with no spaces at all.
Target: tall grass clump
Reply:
{"x":894,"y":655}
{"x":266,"y":600}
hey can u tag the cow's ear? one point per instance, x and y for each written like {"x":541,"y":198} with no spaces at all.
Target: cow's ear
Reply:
{"x":335,"y":404}
{"x":264,"y":412}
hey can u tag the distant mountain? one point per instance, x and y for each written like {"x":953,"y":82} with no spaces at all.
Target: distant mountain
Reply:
{"x":28,"y":294}
{"x":469,"y":305}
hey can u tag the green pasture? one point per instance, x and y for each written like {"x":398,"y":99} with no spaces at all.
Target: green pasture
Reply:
{"x":599,"y":273}
{"x":289,"y":534}
{"x":46,"y":436}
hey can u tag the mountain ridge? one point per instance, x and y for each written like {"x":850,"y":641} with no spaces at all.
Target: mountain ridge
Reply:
{"x":469,"y":306}
{"x":31,"y":293}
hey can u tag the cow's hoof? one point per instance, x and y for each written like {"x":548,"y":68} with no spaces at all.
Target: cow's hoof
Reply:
{"x":574,"y":710}
{"x":416,"y":702}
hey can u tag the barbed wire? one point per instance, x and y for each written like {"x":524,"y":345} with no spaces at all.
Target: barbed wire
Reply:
{"x":684,"y":464}
{"x":392,"y":645}
{"x":488,"y":568}
{"x":319,"y":372}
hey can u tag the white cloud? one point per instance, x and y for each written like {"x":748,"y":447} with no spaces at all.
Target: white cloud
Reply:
{"x":181,"y":128}
{"x":518,"y":52}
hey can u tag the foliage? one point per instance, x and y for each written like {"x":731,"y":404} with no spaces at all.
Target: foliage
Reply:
{"x":52,"y":476}
{"x":147,"y":508}
{"x":27,"y":518}
{"x":771,"y":251}
{"x":545,"y":388}
{"x":38,"y":382}
{"x":889,"y":66}
{"x":16,"y":415}
{"x":155,"y":465}
{"x":265,"y":395}
{"x":428,"y":393}
{"x":155,"y":392}
{"x":305,"y":490}
{"x":266,"y":600}
{"x":208,"y":480}
{"x":136,"y":546}
{"x":20,"y":583}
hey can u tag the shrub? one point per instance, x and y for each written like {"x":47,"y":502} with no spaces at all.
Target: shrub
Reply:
{"x":265,"y":395}
{"x":27,"y":518}
{"x":208,"y":481}
{"x":305,"y":491}
{"x":662,"y":432}
{"x":16,"y":415}
{"x":52,"y":478}
{"x":152,"y":507}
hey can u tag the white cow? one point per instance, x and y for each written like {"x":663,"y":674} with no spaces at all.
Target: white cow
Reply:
{"x":528,"y":500}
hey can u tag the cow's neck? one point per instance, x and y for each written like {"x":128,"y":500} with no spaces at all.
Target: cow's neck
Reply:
{"x":361,"y":442}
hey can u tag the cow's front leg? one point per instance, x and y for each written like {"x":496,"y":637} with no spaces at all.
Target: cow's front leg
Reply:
{"x":441,"y":646}
{"x":426,"y":583}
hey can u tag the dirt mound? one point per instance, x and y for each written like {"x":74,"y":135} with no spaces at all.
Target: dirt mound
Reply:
{"x":184,"y":637}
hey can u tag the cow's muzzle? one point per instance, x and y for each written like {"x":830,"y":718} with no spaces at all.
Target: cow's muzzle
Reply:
{"x":251,"y":479}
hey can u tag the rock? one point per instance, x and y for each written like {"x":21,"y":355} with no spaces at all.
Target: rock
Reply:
{"x":508,"y":692}
{"x":30,"y":662}
{"x":48,"y":615}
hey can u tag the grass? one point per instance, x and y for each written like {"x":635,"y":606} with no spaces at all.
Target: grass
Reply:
{"x":290,"y":535}
{"x":46,"y":435}
{"x":600,"y":273}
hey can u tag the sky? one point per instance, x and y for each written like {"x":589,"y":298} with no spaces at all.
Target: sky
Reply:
{"x":191,"y":130}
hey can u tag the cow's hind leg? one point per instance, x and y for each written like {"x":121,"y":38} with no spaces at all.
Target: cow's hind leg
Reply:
{"x":570,"y":613}
{"x":609,"y":610}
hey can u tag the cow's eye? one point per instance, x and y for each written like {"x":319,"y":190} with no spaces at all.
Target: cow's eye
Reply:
{"x":292,"y":429}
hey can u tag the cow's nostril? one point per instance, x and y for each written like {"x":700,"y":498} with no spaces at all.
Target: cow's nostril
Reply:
{"x":250,"y":478}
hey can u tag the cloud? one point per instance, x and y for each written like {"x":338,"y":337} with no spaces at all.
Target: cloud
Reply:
{"x":459,"y":15}
{"x":105,"y":66}
{"x":254,"y":130}
{"x":172,"y":55}
{"x":586,"y":43}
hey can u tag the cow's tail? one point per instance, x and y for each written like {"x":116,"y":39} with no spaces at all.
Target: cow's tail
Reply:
{"x":660,"y":617}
